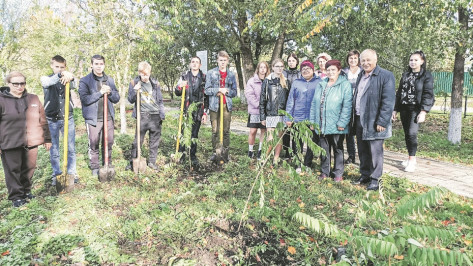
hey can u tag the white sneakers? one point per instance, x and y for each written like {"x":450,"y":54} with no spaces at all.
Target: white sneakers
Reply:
{"x":410,"y":166}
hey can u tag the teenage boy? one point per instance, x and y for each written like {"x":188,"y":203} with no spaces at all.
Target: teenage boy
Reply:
{"x":54,"y":106}
{"x":152,"y":112}
{"x":193,"y":81}
{"x":91,"y":91}
{"x":221,"y":81}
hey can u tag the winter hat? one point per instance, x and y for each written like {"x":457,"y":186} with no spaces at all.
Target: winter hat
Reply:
{"x":307,"y":63}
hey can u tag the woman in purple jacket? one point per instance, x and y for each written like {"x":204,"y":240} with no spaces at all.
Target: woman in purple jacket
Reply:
{"x":252,"y":94}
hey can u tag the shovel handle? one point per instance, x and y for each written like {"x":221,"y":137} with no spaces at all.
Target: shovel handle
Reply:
{"x":66,"y":127}
{"x":221,"y":119}
{"x":183,"y":100}
{"x":138,"y":123}
{"x":105,"y":128}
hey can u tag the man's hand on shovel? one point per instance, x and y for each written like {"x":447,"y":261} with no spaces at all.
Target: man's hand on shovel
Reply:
{"x":66,"y":77}
{"x":137,"y":86}
{"x":105,"y":89}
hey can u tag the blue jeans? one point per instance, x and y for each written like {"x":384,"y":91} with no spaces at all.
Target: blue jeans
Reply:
{"x":56,"y":128}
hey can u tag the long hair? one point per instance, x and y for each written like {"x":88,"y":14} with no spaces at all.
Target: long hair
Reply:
{"x":267,"y":68}
{"x":422,"y":55}
{"x":281,"y":78}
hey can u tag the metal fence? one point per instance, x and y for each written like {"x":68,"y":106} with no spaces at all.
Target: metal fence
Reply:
{"x":443,"y":83}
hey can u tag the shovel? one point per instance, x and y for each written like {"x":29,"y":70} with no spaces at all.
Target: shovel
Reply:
{"x":183,"y":100}
{"x":65,"y":182}
{"x":106,"y":173}
{"x":220,"y":149}
{"x":139,"y":164}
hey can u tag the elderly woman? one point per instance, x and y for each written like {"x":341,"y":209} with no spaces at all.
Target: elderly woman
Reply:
{"x":299,"y":103}
{"x":23,"y":128}
{"x":252,"y":94}
{"x":322,"y":59}
{"x":274,"y":92}
{"x":352,"y":72}
{"x":414,"y":99}
{"x":331,"y":111}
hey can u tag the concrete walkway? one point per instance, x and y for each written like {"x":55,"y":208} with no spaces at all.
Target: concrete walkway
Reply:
{"x":454,"y":177}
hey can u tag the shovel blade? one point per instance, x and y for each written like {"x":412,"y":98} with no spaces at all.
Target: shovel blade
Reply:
{"x":139,"y":165}
{"x":106,"y":174}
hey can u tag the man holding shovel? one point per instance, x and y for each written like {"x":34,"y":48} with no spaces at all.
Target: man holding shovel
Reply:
{"x":193,"y":82}
{"x":54,"y":102}
{"x":221,"y":86}
{"x":151,"y":113}
{"x":92,"y":89}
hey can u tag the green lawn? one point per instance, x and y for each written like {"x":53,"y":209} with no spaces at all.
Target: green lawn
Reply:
{"x":182,"y":217}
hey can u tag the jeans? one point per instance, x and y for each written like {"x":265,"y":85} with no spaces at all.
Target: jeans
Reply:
{"x":57,"y":128}
{"x":411,"y":127}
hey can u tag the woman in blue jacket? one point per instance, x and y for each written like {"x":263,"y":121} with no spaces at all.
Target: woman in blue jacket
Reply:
{"x":331,"y":111}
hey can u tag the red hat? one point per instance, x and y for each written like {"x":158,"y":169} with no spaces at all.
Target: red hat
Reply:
{"x":333,"y":63}
{"x":307,"y":63}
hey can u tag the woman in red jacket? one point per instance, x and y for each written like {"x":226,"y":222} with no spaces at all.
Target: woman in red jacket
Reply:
{"x":23,"y":127}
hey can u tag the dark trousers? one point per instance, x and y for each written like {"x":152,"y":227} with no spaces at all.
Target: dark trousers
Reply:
{"x":309,"y":155}
{"x":328,"y":143}
{"x":95,"y":137}
{"x":194,"y":135}
{"x":19,"y":165}
{"x":370,"y":153}
{"x":410,"y":126}
{"x":215,"y":120}
{"x":149,"y":123}
{"x":286,"y":144}
{"x":351,"y":144}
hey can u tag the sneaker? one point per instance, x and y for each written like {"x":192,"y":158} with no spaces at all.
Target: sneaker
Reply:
{"x":258,"y":156}
{"x":350,"y":160}
{"x":29,"y":196}
{"x":405,"y":163}
{"x":411,"y":167}
{"x":322,"y":176}
{"x":213,"y":157}
{"x":95,"y":172}
{"x":338,"y":178}
{"x":129,"y":167}
{"x":53,"y":181}
{"x":251,"y":154}
{"x":298,"y":170}
{"x":194,"y":162}
{"x":153,"y":166}
{"x":76,"y":180}
{"x":18,"y":203}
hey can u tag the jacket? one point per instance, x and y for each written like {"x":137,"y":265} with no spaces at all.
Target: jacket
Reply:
{"x":252,"y":94}
{"x":273,"y":97}
{"x":157,"y":95}
{"x":346,"y":70}
{"x":89,"y":97}
{"x":337,"y":105}
{"x":291,"y":75}
{"x":54,"y":97}
{"x":300,"y":97}
{"x":22,"y":121}
{"x":194,"y":93}
{"x":424,"y":91}
{"x":376,"y":104}
{"x":212,"y":85}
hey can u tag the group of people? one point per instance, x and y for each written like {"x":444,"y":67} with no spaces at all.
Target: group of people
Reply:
{"x":359,"y":100}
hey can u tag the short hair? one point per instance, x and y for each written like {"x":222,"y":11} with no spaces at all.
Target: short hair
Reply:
{"x":14,"y":74}
{"x":370,"y":51}
{"x":293,"y":55}
{"x":223,"y":54}
{"x":196,"y":57}
{"x":97,"y":57}
{"x":144,"y":66}
{"x":325,"y":56}
{"x":335,"y":63}
{"x":267,"y":68}
{"x":353,"y":52}
{"x":58,"y":59}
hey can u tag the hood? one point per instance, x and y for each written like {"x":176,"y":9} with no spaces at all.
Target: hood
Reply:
{"x":341,"y":78}
{"x":314,"y":78}
{"x":20,"y":108}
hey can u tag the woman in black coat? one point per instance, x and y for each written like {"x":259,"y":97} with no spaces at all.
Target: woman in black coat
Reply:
{"x":414,"y":99}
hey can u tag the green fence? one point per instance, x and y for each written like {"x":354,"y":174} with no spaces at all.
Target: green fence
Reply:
{"x":443,"y":83}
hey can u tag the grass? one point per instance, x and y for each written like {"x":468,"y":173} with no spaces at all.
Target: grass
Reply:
{"x":433,"y":142}
{"x":181,"y":217}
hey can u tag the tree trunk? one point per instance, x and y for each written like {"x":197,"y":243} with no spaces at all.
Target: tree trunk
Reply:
{"x":123,"y":92}
{"x":238,"y":66}
{"x":245,"y":49}
{"x":455,"y":124}
{"x":278,"y":46}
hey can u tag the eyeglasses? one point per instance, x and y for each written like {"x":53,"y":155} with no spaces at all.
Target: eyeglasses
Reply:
{"x":305,"y":69}
{"x":279,"y":66}
{"x":15,"y":84}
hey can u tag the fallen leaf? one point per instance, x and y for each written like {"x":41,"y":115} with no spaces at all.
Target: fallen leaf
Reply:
{"x":321,"y":261}
{"x":291,"y":250}
{"x":311,"y":239}
{"x":299,"y":200}
{"x":467,"y":242}
{"x":6,"y":253}
{"x":301,"y":205}
{"x":399,"y":257}
{"x":282,"y":243}
{"x":344,"y":243}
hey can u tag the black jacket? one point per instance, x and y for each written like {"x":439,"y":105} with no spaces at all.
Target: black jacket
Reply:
{"x":194,"y":93}
{"x":273,"y":97}
{"x":157,"y":95}
{"x":54,"y":97}
{"x":291,"y":75}
{"x":424,"y":91}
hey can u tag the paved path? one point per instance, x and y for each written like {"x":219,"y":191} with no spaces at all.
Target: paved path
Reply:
{"x":454,"y":177}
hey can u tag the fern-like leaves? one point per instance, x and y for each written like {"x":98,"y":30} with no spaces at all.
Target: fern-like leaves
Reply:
{"x":431,"y":256}
{"x":320,"y":226}
{"x":376,"y":247}
{"x":422,"y":202}
{"x":432,"y":233}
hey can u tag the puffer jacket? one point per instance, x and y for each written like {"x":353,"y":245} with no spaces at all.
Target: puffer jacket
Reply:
{"x":424,"y":91}
{"x":157,"y":96}
{"x":22,"y":121}
{"x":300,"y":97}
{"x":252,"y":94}
{"x":337,"y":106}
{"x":273,"y":97}
{"x":194,"y":93}
{"x":212,"y":85}
{"x":291,"y":75}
